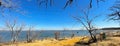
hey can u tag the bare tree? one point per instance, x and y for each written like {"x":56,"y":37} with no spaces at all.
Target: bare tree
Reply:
{"x":31,"y":35}
{"x":10,"y":6}
{"x":115,"y":15}
{"x":18,"y":30}
{"x":48,"y":2}
{"x":67,"y":3}
{"x":14,"y":5}
{"x":28,"y":34}
{"x":15,"y":29}
{"x":57,"y":35}
{"x":87,"y":22}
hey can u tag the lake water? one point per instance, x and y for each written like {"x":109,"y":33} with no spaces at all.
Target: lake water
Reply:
{"x":5,"y":36}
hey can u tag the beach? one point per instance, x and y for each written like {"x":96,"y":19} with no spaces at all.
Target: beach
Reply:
{"x":109,"y":41}
{"x":49,"y":42}
{"x":112,"y":38}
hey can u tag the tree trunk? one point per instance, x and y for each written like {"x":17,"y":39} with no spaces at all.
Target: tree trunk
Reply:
{"x":92,"y":36}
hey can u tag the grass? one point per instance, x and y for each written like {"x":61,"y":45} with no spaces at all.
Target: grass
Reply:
{"x":109,"y":41}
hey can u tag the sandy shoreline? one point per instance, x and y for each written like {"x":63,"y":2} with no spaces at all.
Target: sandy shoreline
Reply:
{"x":114,"y":41}
{"x":50,"y":42}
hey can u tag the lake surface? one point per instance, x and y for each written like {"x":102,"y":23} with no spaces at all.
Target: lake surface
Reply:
{"x":5,"y":36}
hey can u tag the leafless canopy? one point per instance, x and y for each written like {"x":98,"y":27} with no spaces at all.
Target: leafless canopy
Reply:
{"x":87,"y":22}
{"x":15,"y":29}
{"x":115,"y":15}
{"x":31,"y":35}
{"x":68,"y":2}
{"x":10,"y":6}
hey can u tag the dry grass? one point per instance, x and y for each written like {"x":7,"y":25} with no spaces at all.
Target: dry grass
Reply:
{"x":110,"y":41}
{"x":50,"y":42}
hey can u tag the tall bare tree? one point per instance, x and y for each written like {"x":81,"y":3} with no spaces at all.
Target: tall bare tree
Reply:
{"x":87,"y":22}
{"x":15,"y":29}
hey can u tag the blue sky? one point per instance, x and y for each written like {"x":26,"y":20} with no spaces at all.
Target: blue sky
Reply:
{"x":56,"y":18}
